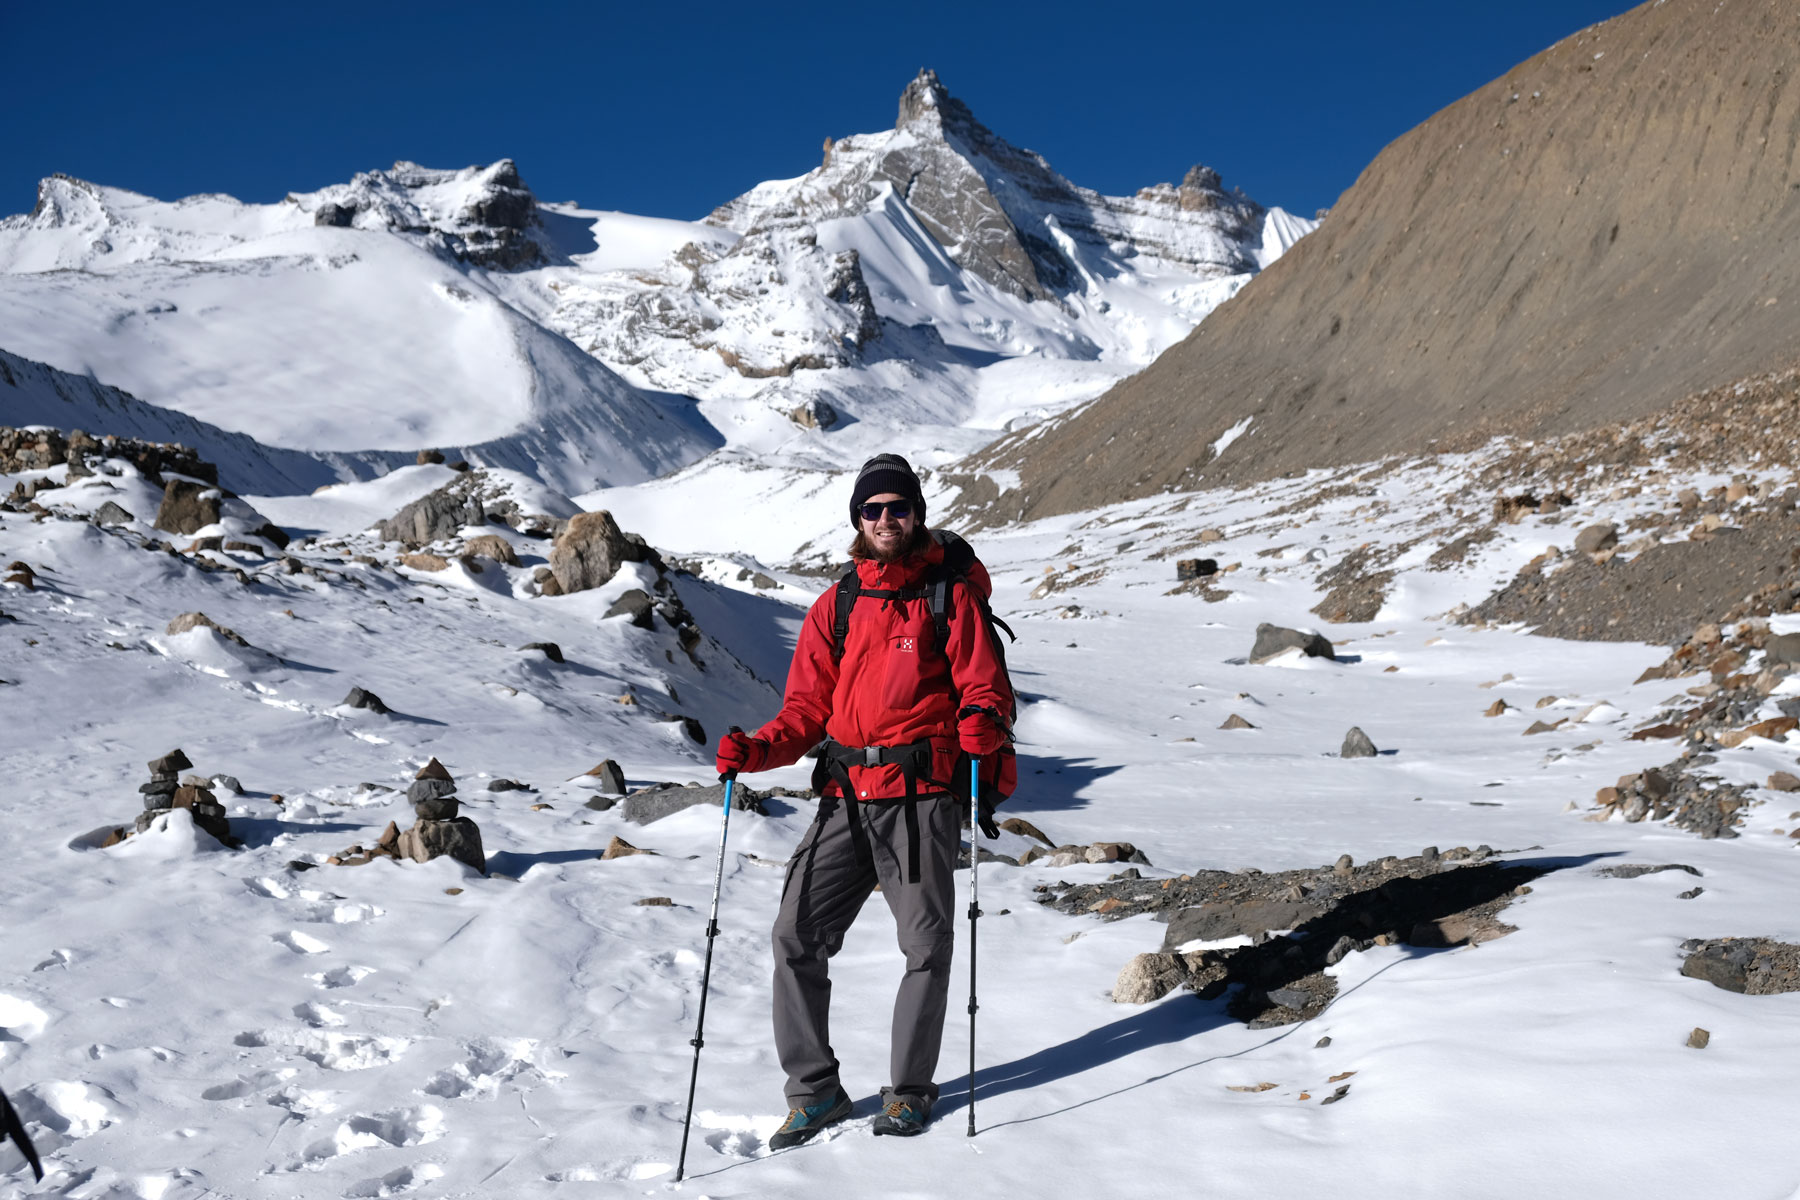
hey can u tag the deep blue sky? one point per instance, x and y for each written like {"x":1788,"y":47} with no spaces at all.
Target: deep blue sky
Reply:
{"x":671,"y":108}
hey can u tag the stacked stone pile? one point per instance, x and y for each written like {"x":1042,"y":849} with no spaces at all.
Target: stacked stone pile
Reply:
{"x":168,"y":790}
{"x":440,"y":828}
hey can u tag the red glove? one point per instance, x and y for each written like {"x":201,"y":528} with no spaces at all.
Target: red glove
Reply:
{"x":741,"y":752}
{"x":979,"y":734}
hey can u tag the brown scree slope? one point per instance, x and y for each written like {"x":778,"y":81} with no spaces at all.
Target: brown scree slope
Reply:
{"x":1612,"y":225}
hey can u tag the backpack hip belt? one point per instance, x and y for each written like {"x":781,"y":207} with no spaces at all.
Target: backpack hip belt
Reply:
{"x":914,"y":761}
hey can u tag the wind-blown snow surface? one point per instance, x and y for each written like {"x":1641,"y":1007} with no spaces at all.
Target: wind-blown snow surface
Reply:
{"x":182,"y":1020}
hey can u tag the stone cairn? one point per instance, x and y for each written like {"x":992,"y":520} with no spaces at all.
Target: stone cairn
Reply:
{"x":168,"y":789}
{"x":440,"y":829}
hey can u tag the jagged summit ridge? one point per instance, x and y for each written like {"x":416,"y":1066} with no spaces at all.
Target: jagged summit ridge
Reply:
{"x":1002,"y":212}
{"x":481,"y":215}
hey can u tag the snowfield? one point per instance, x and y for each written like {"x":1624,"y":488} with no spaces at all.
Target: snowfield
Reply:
{"x":183,"y":1020}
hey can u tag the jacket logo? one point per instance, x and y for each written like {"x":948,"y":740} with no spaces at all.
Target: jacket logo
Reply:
{"x":907,"y":645}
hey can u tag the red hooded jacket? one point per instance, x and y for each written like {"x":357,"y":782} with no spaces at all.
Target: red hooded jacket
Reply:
{"x":895,"y":685}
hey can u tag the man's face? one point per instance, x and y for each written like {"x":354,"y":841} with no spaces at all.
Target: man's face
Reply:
{"x":888,"y":532}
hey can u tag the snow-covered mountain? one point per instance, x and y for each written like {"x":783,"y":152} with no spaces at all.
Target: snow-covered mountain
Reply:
{"x":931,"y":283}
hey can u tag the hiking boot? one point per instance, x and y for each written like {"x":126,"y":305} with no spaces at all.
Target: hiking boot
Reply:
{"x":903,"y":1116}
{"x":803,"y":1123}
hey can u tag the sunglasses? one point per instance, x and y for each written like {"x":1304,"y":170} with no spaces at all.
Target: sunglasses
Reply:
{"x":901,"y":509}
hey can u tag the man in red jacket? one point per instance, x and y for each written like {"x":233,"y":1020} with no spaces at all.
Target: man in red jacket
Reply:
{"x":898,"y":711}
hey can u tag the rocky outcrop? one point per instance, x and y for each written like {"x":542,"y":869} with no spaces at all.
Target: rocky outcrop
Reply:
{"x":484,"y":216}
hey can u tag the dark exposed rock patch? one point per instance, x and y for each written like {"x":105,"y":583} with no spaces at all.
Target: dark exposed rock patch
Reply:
{"x":1358,"y":586}
{"x":1431,"y":900}
{"x":1751,"y":966}
{"x":665,"y":799}
{"x":1657,"y":596}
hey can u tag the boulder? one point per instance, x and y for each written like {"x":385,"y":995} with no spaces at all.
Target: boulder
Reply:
{"x":1357,"y":745}
{"x":111,"y":513}
{"x":1195,"y":568}
{"x":588,"y":552}
{"x":1235,"y":722}
{"x":199,"y":620}
{"x":1149,"y":977}
{"x":635,"y":604}
{"x":187,"y":506}
{"x":620,"y":848}
{"x":1273,"y":640}
{"x":507,"y":785}
{"x":421,"y":790}
{"x":492,"y":545}
{"x":459,"y":838}
{"x":1024,"y":828}
{"x":550,"y":650}
{"x":1782,"y":648}
{"x":655,"y":803}
{"x":435,"y":515}
{"x":362,"y":698}
{"x":1596,"y":538}
{"x":421,"y":561}
{"x":611,"y":778}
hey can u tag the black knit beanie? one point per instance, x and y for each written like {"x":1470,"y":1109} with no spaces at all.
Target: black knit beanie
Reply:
{"x":882,"y":474}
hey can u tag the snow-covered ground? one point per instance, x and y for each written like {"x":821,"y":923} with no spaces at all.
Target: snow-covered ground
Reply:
{"x":180,"y":1020}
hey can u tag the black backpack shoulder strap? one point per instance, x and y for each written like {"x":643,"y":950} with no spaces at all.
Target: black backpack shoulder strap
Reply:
{"x":847,"y":590}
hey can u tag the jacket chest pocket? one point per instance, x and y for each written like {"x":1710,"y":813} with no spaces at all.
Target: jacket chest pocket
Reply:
{"x":901,"y":672}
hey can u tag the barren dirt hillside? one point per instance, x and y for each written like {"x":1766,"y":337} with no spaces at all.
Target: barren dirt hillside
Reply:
{"x":1612,"y":225}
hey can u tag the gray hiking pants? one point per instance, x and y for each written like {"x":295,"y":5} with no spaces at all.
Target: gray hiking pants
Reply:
{"x":829,"y":877}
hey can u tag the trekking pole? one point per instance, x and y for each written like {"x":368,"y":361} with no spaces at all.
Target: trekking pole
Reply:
{"x":712,"y":931}
{"x":974,"y":915}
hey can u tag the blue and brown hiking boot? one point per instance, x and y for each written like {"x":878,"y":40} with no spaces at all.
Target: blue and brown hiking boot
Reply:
{"x":902,"y":1116}
{"x":803,"y":1123}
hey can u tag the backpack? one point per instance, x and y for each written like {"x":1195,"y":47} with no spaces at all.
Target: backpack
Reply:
{"x":999,"y":770}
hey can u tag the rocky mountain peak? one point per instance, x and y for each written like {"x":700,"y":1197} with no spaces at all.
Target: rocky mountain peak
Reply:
{"x":926,"y":101}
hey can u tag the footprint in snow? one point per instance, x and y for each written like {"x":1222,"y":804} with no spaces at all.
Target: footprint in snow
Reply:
{"x":301,"y":943}
{"x":318,"y":1016}
{"x":588,"y":1173}
{"x":341,"y":977}
{"x":492,"y":1062}
{"x":66,"y":1111}
{"x":20,"y":1019}
{"x":400,"y":1127}
{"x":396,"y":1182}
{"x":247,"y":1085}
{"x":333,"y":1051}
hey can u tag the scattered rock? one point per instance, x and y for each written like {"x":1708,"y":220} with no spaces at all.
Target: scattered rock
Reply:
{"x":635,"y":604}
{"x":1274,"y":640}
{"x":663,"y":800}
{"x":1024,"y":828}
{"x":1357,"y":745}
{"x":458,"y":837}
{"x":111,"y":513}
{"x":188,"y":506}
{"x":436,"y":516}
{"x":1149,"y":977}
{"x":550,"y":650}
{"x":1700,"y":1039}
{"x":1783,"y":781}
{"x":620,"y":848}
{"x":589,"y":551}
{"x":491,"y":546}
{"x":655,"y":902}
{"x":199,"y":620}
{"x":362,"y":698}
{"x":611,"y":778}
{"x":1236,"y":722}
{"x":508,"y":785}
{"x":433,"y":770}
{"x":421,"y":561}
{"x":1187,"y":569}
{"x":1596,"y":538}
{"x":1497,"y":708}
